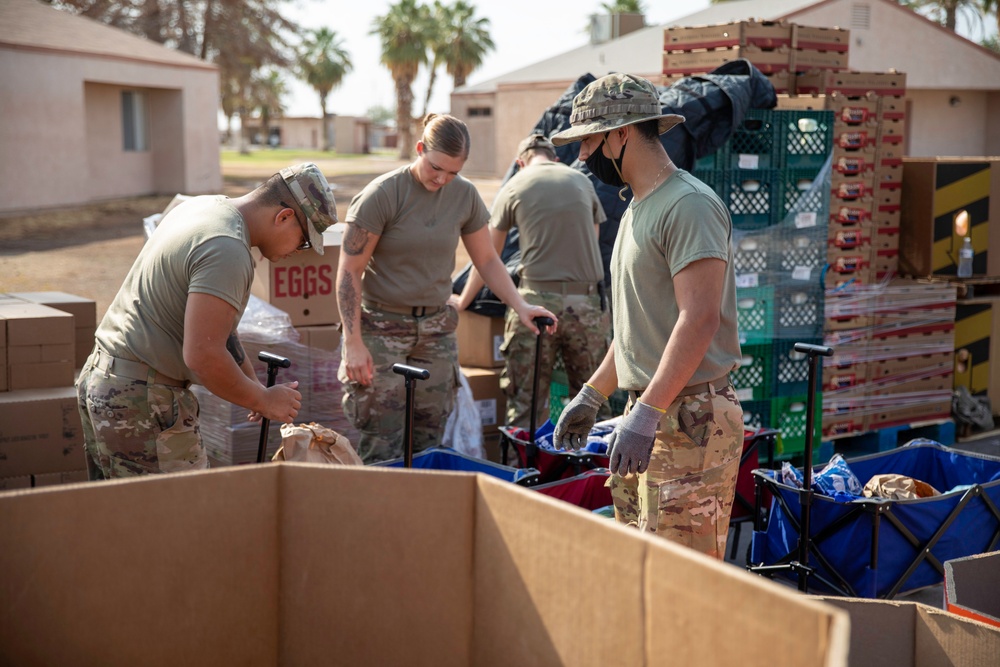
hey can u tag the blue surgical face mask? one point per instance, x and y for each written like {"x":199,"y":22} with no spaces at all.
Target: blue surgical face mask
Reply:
{"x":608,"y":170}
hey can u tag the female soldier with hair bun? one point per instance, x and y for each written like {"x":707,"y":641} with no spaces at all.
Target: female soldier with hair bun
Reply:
{"x":394,"y":289}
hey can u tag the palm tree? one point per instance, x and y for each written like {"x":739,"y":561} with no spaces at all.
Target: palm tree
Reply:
{"x":945,"y":12}
{"x":266,"y":90}
{"x":403,"y":34}
{"x":467,"y":42}
{"x":323,"y":63}
{"x":624,"y":7}
{"x":437,"y":36}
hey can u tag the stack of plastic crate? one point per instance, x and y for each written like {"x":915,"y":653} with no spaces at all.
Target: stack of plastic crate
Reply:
{"x":773,"y":175}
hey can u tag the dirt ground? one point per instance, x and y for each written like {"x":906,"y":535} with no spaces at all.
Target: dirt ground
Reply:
{"x":88,"y":250}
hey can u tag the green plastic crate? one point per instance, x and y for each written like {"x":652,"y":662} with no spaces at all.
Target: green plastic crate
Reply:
{"x":789,"y":416}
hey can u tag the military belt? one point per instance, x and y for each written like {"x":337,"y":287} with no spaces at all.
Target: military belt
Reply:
{"x":559,"y":286}
{"x":714,"y":386}
{"x":133,"y":370}
{"x":412,"y":311}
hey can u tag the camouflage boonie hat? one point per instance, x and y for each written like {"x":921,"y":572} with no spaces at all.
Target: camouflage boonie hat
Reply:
{"x":536,"y":140}
{"x":611,"y":102}
{"x":315,"y":197}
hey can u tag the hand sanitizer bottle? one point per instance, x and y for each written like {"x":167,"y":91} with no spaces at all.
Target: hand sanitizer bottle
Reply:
{"x":965,"y":256}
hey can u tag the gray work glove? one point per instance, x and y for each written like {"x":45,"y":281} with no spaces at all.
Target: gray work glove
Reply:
{"x":578,"y":418}
{"x":631,"y":443}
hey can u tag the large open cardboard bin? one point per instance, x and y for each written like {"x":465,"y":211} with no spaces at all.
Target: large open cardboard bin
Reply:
{"x":294,"y":564}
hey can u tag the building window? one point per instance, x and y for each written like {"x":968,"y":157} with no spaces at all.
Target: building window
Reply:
{"x":134,"y":121}
{"x":480,"y":112}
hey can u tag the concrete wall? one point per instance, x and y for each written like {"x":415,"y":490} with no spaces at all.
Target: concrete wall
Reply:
{"x":62,"y":118}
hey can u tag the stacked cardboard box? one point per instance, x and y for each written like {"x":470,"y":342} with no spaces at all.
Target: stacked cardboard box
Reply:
{"x":479,"y":340}
{"x":39,"y":346}
{"x":779,"y":50}
{"x":83,"y":310}
{"x":893,"y":356}
{"x":40,"y":434}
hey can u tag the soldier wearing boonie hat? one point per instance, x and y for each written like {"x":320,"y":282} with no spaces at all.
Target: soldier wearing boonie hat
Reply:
{"x":191,"y":282}
{"x":675,"y":454}
{"x":557,"y":213}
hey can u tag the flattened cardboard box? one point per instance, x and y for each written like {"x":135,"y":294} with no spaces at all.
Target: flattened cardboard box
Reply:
{"x":295,"y":564}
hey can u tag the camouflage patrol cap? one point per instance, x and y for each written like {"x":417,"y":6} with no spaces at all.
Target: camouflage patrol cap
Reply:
{"x":611,"y":102}
{"x":315,"y":197}
{"x":536,"y":140}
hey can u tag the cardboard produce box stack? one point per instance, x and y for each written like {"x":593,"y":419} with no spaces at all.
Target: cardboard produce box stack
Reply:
{"x":779,"y":50}
{"x":44,"y":338}
{"x":893,"y":357}
{"x":867,"y":174}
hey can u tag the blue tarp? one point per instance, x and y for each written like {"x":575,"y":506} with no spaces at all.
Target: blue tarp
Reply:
{"x":874,"y":547}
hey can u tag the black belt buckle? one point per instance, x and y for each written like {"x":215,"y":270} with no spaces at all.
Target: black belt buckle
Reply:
{"x":418,"y":311}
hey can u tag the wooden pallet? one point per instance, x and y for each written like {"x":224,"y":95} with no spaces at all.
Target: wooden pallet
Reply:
{"x":886,"y":438}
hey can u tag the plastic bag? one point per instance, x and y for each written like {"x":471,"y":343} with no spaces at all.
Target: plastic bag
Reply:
{"x":837,"y":479}
{"x":464,"y":430}
{"x":315,"y":443}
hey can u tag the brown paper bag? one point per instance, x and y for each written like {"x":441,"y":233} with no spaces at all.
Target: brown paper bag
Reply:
{"x":315,"y":443}
{"x":898,"y":487}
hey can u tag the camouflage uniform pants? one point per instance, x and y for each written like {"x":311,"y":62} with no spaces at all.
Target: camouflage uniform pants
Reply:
{"x":686,"y":494}
{"x":378,"y":411}
{"x":131,"y":427}
{"x":581,"y":339}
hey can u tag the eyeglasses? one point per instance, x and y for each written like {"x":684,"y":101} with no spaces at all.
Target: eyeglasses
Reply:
{"x":306,"y":243}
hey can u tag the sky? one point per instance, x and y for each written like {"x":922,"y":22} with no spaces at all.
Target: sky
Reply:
{"x":524,"y":32}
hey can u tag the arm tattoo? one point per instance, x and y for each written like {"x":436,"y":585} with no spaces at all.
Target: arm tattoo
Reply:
{"x":355,"y":240}
{"x":235,"y":348}
{"x":347,"y":297}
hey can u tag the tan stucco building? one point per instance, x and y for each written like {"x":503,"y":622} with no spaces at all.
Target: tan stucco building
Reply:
{"x":91,"y":112}
{"x":952,"y":96}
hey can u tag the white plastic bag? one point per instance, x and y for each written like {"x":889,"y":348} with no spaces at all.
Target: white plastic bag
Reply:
{"x":464,"y":430}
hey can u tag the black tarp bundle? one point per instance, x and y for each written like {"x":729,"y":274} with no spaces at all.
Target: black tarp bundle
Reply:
{"x":712,"y":105}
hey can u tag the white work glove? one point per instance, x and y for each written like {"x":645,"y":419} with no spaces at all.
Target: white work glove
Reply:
{"x":578,"y":418}
{"x":631,"y":443}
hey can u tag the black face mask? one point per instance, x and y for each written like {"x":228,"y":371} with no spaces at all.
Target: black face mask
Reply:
{"x":604,"y":167}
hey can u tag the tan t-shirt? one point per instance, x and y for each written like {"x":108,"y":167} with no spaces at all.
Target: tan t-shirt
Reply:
{"x":680,"y":222}
{"x":555,"y":209}
{"x":201,"y":246}
{"x":419,"y":232}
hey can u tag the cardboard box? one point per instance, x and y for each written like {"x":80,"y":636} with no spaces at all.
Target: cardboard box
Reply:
{"x":765,"y":34}
{"x":697,"y":62}
{"x":971,"y":585}
{"x":479,"y":340}
{"x":302,"y":565}
{"x":323,"y":337}
{"x":852,"y":84}
{"x":305,"y":284}
{"x":84,"y":313}
{"x":910,"y":634}
{"x":40,"y":432}
{"x":41,"y":375}
{"x":35,"y":324}
{"x":820,"y":39}
{"x":489,"y":398}
{"x":83,"y":310}
{"x":936,"y":192}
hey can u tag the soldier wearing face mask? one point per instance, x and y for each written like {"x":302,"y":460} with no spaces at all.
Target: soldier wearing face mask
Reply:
{"x":675,"y":454}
